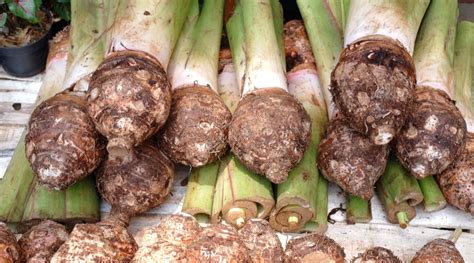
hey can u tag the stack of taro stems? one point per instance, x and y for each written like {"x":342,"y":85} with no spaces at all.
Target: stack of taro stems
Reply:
{"x":23,"y":198}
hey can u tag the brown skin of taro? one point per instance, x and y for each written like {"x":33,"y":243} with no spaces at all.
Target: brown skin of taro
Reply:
{"x":137,"y":183}
{"x":351,"y":160}
{"x":439,"y":250}
{"x":457,"y":182}
{"x":373,"y":86}
{"x":195,"y":133}
{"x":377,"y":254}
{"x":167,"y":242}
{"x":9,"y":249}
{"x":269,"y":133}
{"x":40,"y":242}
{"x":313,"y":248}
{"x":129,"y":99}
{"x":62,"y":144}
{"x":217,"y":243}
{"x":298,"y":51}
{"x":433,"y":136}
{"x":105,"y":241}
{"x":262,"y":241}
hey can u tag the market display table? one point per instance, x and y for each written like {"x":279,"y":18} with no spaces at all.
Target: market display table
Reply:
{"x":17,"y":97}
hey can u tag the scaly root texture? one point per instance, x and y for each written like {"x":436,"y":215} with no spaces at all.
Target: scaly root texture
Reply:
{"x":62,"y":144}
{"x":129,"y":99}
{"x":262,"y":241}
{"x":136,"y":185}
{"x":217,"y":243}
{"x":269,"y":133}
{"x":101,"y":242}
{"x":9,"y":249}
{"x":167,"y":242}
{"x":438,"y":250}
{"x":377,"y":254}
{"x":195,"y":133}
{"x":40,"y":242}
{"x":313,"y":248}
{"x":434,"y":135}
{"x":373,"y":86}
{"x":456,"y":182}
{"x":351,"y":160}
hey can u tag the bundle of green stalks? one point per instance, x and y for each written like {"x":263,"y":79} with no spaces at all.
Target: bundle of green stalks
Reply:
{"x":301,"y":203}
{"x":27,"y":196}
{"x":270,"y":130}
{"x":326,"y":38}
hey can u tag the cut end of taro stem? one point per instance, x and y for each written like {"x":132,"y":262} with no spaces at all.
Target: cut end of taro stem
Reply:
{"x":403,"y":219}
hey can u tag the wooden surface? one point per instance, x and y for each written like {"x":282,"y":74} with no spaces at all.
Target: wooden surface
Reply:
{"x":354,"y":238}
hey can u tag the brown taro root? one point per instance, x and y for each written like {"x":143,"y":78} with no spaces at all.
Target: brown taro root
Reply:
{"x":196,"y":131}
{"x":62,"y":144}
{"x":434,"y":135}
{"x":457,"y":182}
{"x":9,"y":249}
{"x":129,"y":99}
{"x":270,"y":129}
{"x":439,"y":250}
{"x":261,"y":241}
{"x":376,"y":254}
{"x":313,"y":248}
{"x":269,"y":132}
{"x":106,"y":241}
{"x":167,"y":242}
{"x":137,"y":183}
{"x":217,"y":243}
{"x":351,"y":160}
{"x":40,"y":242}
{"x":373,"y":85}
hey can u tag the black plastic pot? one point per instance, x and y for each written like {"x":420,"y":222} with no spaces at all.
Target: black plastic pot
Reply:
{"x":25,"y":61}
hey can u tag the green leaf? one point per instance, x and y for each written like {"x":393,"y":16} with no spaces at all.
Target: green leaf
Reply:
{"x":26,"y":9}
{"x":3,"y":19}
{"x":63,"y":10}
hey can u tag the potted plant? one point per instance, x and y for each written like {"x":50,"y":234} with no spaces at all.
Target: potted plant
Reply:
{"x":25,"y":29}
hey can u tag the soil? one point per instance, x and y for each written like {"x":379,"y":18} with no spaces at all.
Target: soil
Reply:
{"x":19,"y":32}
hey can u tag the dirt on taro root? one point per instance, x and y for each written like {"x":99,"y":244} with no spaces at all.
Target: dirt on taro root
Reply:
{"x":18,"y":32}
{"x":138,"y":183}
{"x":373,"y":86}
{"x":438,"y":250}
{"x":456,"y":182}
{"x":9,"y":249}
{"x":129,"y":99}
{"x":313,"y":248}
{"x":434,"y":135}
{"x":62,"y":144}
{"x":195,"y":133}
{"x":269,"y":133}
{"x":350,"y":159}
{"x":376,"y":254}
{"x":40,"y":242}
